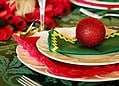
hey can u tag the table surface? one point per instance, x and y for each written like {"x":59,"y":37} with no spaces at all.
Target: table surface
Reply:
{"x":11,"y":68}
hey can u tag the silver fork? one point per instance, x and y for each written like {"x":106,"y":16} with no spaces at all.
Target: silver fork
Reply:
{"x":94,"y":15}
{"x":25,"y":81}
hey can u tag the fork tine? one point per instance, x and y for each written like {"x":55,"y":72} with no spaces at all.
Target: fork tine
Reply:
{"x":25,"y":81}
{"x":22,"y":82}
{"x":33,"y":82}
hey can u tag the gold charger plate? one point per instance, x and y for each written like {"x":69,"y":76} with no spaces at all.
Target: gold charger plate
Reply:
{"x":42,"y":45}
{"x":25,"y":57}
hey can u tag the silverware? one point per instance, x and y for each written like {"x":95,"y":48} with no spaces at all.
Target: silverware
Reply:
{"x":25,"y":81}
{"x":94,"y":15}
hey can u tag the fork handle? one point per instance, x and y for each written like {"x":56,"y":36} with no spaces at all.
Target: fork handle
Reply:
{"x":91,"y":14}
{"x":111,"y":14}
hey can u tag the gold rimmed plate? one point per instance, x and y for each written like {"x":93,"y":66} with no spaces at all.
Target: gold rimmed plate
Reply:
{"x":106,"y":59}
{"x":30,"y":61}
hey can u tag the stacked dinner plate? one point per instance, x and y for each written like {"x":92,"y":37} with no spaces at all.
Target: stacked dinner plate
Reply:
{"x":89,"y":68}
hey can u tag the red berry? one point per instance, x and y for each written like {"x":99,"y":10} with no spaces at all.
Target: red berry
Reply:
{"x":90,"y":32}
{"x":5,"y":32}
{"x":19,"y":23}
{"x":49,"y":10}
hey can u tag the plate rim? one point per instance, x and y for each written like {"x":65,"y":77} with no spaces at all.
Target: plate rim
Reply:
{"x":103,"y":2}
{"x":61,"y":77}
{"x":95,"y":7}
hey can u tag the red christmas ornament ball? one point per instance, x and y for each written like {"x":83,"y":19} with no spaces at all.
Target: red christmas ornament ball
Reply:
{"x":90,"y":32}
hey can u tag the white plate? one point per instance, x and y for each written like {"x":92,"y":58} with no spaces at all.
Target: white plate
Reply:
{"x":97,"y":4}
{"x":42,"y":45}
{"x":24,"y":56}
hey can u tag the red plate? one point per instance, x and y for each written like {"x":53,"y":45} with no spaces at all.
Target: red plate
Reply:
{"x":97,"y":4}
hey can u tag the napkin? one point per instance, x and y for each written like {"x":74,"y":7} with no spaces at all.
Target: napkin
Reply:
{"x":61,"y":44}
{"x":59,"y":68}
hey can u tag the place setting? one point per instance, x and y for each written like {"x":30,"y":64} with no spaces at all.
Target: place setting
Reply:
{"x":87,"y":51}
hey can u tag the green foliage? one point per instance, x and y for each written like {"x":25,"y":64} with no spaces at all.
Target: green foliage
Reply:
{"x":75,"y":16}
{"x":87,"y":84}
{"x":49,"y":81}
{"x":110,"y":0}
{"x":10,"y":67}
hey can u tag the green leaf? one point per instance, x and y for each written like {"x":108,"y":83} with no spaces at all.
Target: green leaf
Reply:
{"x":51,"y":80}
{"x":23,"y":70}
{"x":4,"y":62}
{"x":10,"y":67}
{"x":14,"y":70}
{"x":67,"y":83}
{"x":87,"y":84}
{"x":15,"y":63}
{"x":16,"y":67}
